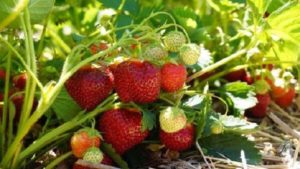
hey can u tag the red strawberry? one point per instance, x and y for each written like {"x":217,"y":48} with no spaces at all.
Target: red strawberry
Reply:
{"x":18,"y":101}
{"x":122,"y":128}
{"x":97,"y":48}
{"x":206,"y":75}
{"x":107,"y":160}
{"x":19,"y":81}
{"x":236,"y":75}
{"x":137,"y":81}
{"x":1,"y":97}
{"x":84,"y":139}
{"x":89,"y":86}
{"x":286,"y":99}
{"x":172,"y":77}
{"x":2,"y":77}
{"x":248,"y":79}
{"x":180,"y":140}
{"x":260,"y":109}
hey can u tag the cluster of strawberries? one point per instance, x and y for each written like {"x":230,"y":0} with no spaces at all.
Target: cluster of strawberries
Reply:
{"x":141,"y":82}
{"x":269,"y":84}
{"x":15,"y":93}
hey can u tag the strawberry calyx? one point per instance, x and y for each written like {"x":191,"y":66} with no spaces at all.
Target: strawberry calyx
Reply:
{"x":261,"y":86}
{"x":91,"y":132}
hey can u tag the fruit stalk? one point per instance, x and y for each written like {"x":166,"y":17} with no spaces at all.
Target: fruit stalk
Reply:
{"x":216,"y":65}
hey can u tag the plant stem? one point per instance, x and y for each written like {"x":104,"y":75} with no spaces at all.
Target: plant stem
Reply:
{"x":76,"y":121}
{"x":6,"y":101}
{"x":216,"y":65}
{"x":14,"y":13}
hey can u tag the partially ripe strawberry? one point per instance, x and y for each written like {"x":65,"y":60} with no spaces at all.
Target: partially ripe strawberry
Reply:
{"x":286,"y":99}
{"x":155,"y":52}
{"x":84,"y":139}
{"x":180,"y":140}
{"x":237,"y":75}
{"x":93,"y":155}
{"x":260,"y":109}
{"x":173,"y":77}
{"x":122,"y":128}
{"x":19,"y":81}
{"x":89,"y":86}
{"x":248,"y":79}
{"x":189,"y":54}
{"x":172,"y":119}
{"x":137,"y":81}
{"x":174,"y":40}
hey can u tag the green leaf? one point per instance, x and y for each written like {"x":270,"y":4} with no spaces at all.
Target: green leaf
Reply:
{"x":39,"y":9}
{"x":238,"y":89}
{"x":148,"y":120}
{"x":239,"y":96}
{"x":65,"y":107}
{"x":130,"y":5}
{"x":230,"y":146}
{"x":284,"y":26}
{"x":110,"y":151}
{"x":237,"y":125}
{"x":276,"y":4}
{"x":259,"y":7}
{"x":198,"y":108}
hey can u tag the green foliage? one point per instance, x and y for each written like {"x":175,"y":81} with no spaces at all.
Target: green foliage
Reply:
{"x":239,"y":96}
{"x":148,"y":120}
{"x":65,"y":107}
{"x":283,"y":30}
{"x":231,"y":146}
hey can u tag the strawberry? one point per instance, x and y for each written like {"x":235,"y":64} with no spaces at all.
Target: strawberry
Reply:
{"x":106,"y":160}
{"x":122,"y":128}
{"x":260,"y":109}
{"x":174,"y":40}
{"x":217,"y":127}
{"x":84,"y":139}
{"x":18,"y":100}
{"x":173,"y":77}
{"x":189,"y":54}
{"x":248,"y":79}
{"x":1,"y":97}
{"x":93,"y":155}
{"x":172,"y":119}
{"x":286,"y":99}
{"x":2,"y":77}
{"x":98,"y":48}
{"x":155,"y":52}
{"x":89,"y":86}
{"x":237,"y":75}
{"x":19,"y":81}
{"x":180,"y":140}
{"x":137,"y":81}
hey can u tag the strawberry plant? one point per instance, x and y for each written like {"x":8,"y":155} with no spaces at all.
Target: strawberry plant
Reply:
{"x":160,"y":77}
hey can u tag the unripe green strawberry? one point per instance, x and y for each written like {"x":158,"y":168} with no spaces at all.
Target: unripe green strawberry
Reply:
{"x":93,"y":155}
{"x":217,"y":127}
{"x":174,"y":40}
{"x":172,"y":120}
{"x":155,"y":52}
{"x":190,"y":54}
